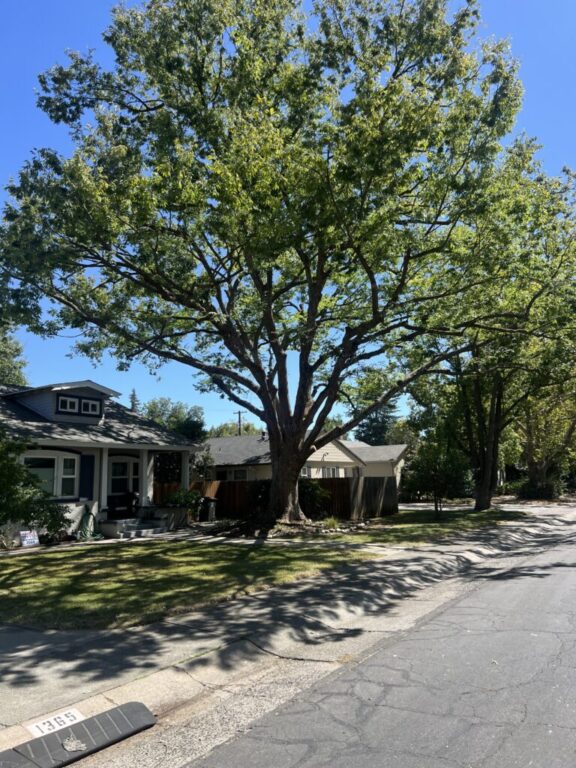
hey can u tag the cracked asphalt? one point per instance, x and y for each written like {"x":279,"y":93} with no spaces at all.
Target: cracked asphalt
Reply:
{"x":487,"y":680}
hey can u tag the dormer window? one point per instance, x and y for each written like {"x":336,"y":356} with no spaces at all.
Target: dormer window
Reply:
{"x":68,"y":404}
{"x":91,"y":407}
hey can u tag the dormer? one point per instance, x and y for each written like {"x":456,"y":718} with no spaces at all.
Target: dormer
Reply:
{"x":80,"y":402}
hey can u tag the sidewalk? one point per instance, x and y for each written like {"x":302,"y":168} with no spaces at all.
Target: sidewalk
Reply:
{"x":335,"y":617}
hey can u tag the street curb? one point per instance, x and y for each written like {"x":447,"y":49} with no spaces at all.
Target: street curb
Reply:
{"x":186,"y":681}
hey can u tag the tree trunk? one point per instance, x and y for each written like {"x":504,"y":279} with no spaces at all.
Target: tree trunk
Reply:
{"x":488,"y":469}
{"x":284,"y":504}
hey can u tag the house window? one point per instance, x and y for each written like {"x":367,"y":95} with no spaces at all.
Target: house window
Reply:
{"x":221,"y":474}
{"x":124,"y":476}
{"x":240,"y":474}
{"x":330,"y":472}
{"x":91,"y":407}
{"x":67,"y":404}
{"x":58,"y":474}
{"x":306,"y":471}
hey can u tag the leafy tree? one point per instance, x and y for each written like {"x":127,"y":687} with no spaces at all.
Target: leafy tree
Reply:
{"x":248,"y":186}
{"x":438,"y":468}
{"x":187,"y":420}
{"x":546,"y":427}
{"x":230,"y":428}
{"x":23,"y":505}
{"x":11,"y":362}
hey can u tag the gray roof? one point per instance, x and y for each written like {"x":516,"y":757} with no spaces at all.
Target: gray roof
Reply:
{"x":120,"y":426}
{"x":252,"y":449}
{"x":372,"y":454}
{"x":239,"y":449}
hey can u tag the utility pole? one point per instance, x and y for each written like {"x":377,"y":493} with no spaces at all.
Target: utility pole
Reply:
{"x":239,"y":420}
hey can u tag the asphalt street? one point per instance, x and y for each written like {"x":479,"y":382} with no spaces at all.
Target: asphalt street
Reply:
{"x":486,"y":680}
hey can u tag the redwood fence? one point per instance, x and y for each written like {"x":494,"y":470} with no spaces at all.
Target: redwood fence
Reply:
{"x":346,"y":498}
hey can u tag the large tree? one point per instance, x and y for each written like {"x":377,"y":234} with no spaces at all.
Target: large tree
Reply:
{"x":273,"y":200}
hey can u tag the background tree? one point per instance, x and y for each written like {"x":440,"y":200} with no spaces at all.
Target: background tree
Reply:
{"x":546,"y":427}
{"x":135,"y":404}
{"x":186,"y":420}
{"x":248,"y":186}
{"x":375,"y":428}
{"x":230,"y":428}
{"x":12,"y":363}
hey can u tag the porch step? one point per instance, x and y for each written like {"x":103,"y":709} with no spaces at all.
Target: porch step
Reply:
{"x":139,"y":532}
{"x":131,"y":528}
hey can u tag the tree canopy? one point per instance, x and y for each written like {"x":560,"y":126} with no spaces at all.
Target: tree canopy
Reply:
{"x":12,"y":363}
{"x":254,"y":192}
{"x":187,"y":420}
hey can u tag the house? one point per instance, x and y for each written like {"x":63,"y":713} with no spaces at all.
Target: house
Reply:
{"x":88,"y":451}
{"x":374,"y":471}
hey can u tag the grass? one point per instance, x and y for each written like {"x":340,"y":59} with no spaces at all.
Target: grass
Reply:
{"x":105,"y":586}
{"x":414,"y":526}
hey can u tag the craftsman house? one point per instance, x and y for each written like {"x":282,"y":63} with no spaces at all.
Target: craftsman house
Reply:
{"x":88,"y":451}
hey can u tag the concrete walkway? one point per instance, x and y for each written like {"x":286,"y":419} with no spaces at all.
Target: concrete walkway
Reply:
{"x":337,"y":616}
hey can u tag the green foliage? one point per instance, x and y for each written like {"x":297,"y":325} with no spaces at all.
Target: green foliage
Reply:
{"x":230,"y":429}
{"x":248,"y":184}
{"x":190,"y":500}
{"x":23,"y":505}
{"x":186,"y":420}
{"x":313,"y":497}
{"x":135,"y":404}
{"x":438,"y":469}
{"x":11,"y":362}
{"x":375,"y":428}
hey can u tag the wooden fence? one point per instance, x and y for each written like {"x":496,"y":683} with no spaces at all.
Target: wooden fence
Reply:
{"x":346,"y":498}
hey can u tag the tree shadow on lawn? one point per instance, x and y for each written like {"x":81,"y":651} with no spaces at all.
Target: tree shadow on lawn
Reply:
{"x":306,"y":612}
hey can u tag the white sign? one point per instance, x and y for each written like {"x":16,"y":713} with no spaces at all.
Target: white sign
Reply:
{"x":56,"y":722}
{"x":29,"y":538}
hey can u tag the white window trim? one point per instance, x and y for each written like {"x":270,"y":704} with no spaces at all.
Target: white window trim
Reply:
{"x":69,"y":400}
{"x":89,"y":402}
{"x":131,"y":460}
{"x":58,"y":457}
{"x":306,"y":471}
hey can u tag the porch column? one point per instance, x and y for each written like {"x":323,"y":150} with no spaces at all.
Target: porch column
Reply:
{"x":103,"y":495}
{"x":185,"y":471}
{"x":146,"y":478}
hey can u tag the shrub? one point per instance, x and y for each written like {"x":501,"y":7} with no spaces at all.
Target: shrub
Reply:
{"x":23,"y":504}
{"x":189,"y":500}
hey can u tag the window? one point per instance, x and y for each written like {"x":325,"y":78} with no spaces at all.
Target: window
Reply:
{"x":91,"y":407}
{"x":221,"y":474}
{"x":58,"y":474}
{"x":306,"y":471}
{"x":240,"y":474}
{"x":330,"y":472}
{"x":124,"y":476}
{"x":67,"y":404}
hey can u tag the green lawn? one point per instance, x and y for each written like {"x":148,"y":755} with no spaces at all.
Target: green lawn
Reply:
{"x":102,"y":586}
{"x":417,"y":526}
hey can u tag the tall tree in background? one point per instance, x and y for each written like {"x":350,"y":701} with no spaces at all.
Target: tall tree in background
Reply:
{"x":135,"y":404}
{"x":187,"y":420}
{"x":249,"y":186}
{"x":230,"y":428}
{"x":12,"y":363}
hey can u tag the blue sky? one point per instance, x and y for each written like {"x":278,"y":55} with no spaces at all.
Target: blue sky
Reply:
{"x":35,"y":33}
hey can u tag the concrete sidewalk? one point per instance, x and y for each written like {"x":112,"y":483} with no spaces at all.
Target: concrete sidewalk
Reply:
{"x":335,"y":617}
